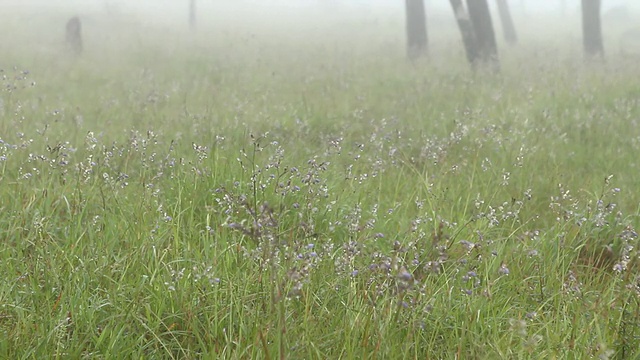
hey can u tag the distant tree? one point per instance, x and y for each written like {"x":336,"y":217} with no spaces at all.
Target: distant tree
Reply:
{"x":483,"y":28}
{"x":73,"y":35}
{"x":192,"y":13}
{"x":466,"y":30}
{"x":416,"y":28}
{"x":508,"y":29}
{"x":591,"y":29}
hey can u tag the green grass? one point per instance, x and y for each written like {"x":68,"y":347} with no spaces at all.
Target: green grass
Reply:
{"x":225,"y":197}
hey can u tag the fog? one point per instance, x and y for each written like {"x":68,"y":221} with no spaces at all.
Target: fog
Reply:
{"x":274,"y":14}
{"x":33,"y":30}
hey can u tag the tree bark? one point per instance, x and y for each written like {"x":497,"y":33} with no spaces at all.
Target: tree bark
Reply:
{"x":192,"y":13}
{"x":591,"y":29}
{"x":416,"y":28}
{"x":466,"y":30}
{"x":508,"y":29}
{"x":485,"y":36}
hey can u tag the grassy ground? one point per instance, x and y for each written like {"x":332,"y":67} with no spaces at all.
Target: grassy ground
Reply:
{"x":254,"y":196}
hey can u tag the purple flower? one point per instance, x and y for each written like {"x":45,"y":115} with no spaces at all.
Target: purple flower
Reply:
{"x":404,"y":275}
{"x":504,"y":270}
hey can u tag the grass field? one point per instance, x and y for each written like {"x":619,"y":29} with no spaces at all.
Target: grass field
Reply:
{"x":266,"y":193}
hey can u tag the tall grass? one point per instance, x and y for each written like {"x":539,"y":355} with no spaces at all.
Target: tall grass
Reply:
{"x":265,"y":198}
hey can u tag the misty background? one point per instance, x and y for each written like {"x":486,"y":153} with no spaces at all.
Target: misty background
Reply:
{"x":375,"y":27}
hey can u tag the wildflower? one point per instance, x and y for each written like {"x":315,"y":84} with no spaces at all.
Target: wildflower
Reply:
{"x":504,"y":270}
{"x":404,"y":275}
{"x":467,"y":244}
{"x":531,"y":315}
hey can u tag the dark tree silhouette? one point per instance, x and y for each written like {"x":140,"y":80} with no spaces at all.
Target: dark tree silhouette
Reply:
{"x":466,"y":30}
{"x":192,"y":13}
{"x":483,"y":28}
{"x":416,"y":28}
{"x":591,"y":29}
{"x":73,"y":35}
{"x":508,"y":29}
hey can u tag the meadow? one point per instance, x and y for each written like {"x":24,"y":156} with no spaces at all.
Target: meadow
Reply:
{"x":260,"y":192}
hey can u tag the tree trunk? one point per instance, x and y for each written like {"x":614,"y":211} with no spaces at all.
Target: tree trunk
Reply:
{"x":485,"y":36}
{"x":591,"y":29}
{"x":466,"y":30}
{"x":192,"y":13}
{"x":508,"y":29}
{"x":416,"y":28}
{"x":73,"y":35}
